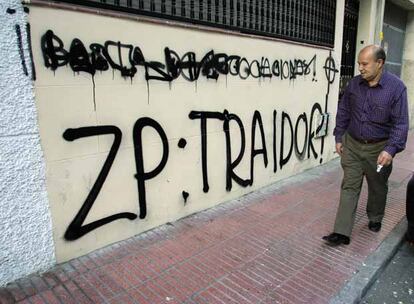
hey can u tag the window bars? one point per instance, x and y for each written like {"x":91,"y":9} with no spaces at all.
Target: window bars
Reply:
{"x":349,"y":42}
{"x":308,"y":21}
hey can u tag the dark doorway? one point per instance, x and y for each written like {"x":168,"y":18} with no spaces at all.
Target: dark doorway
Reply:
{"x":395,"y":20}
{"x":349,"y":43}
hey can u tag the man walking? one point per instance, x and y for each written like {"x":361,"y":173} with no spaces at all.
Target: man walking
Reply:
{"x":371,"y":127}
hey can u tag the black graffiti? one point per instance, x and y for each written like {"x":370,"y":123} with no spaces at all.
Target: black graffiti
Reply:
{"x":185,"y":195}
{"x":12,"y":11}
{"x":54,"y":55}
{"x":79,"y":59}
{"x":302,"y":117}
{"x":311,"y":147}
{"x":75,"y":229}
{"x":203,"y":116}
{"x":284,"y":159}
{"x":330,"y":68}
{"x":257,"y":121}
{"x":142,"y":175}
{"x":21,"y":52}
{"x":330,"y":73}
{"x":274,"y":142}
{"x":18,"y":30}
{"x":309,"y":136}
{"x":127,"y":58}
{"x":210,"y":66}
{"x":231,"y":164}
{"x":97,"y":59}
{"x":293,"y":68}
{"x":120,"y":64}
{"x":182,"y":143}
{"x":29,"y":43}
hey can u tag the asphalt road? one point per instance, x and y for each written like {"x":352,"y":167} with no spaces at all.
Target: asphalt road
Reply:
{"x":396,"y":283}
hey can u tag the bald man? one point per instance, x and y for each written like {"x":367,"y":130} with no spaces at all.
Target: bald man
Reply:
{"x":371,"y":127}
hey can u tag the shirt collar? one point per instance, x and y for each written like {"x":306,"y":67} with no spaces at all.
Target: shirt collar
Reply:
{"x":381,"y":82}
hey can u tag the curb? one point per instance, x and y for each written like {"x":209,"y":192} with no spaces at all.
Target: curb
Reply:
{"x":355,"y":289}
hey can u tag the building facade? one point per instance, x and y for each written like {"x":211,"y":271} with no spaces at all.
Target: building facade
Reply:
{"x":117,"y":117}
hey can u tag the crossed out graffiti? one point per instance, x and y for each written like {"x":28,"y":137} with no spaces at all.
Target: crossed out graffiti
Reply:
{"x":130,"y":60}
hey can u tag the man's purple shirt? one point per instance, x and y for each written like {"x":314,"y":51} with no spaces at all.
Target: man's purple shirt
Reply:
{"x":371,"y":113}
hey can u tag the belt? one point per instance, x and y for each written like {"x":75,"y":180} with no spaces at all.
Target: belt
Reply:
{"x":368,"y":141}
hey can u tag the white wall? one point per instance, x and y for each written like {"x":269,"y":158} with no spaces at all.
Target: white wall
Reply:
{"x":67,"y":100}
{"x":367,"y":25}
{"x":26,"y":243}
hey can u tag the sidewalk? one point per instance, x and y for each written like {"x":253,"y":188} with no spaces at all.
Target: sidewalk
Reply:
{"x":263,"y":248}
{"x":396,"y":283}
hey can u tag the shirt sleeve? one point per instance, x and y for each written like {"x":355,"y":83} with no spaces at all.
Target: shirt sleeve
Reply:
{"x":399,"y":121}
{"x":342,"y":116}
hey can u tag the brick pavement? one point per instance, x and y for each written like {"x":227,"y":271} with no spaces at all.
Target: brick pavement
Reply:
{"x":265,"y":247}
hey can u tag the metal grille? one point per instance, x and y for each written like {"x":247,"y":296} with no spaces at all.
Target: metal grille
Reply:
{"x":349,"y":43}
{"x":309,"y":21}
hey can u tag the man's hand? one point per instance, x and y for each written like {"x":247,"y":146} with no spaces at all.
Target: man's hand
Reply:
{"x":339,"y":148}
{"x":384,"y":159}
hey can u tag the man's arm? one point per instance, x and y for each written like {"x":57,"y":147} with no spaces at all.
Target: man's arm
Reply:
{"x":342,"y":120}
{"x":399,"y":121}
{"x":399,"y":130}
{"x":342,"y":116}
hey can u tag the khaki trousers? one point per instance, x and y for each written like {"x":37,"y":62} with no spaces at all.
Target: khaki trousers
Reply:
{"x":359,"y":160}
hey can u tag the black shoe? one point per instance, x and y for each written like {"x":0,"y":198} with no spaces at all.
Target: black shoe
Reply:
{"x":336,"y":239}
{"x":409,"y":238}
{"x":409,"y":235}
{"x":374,"y":226}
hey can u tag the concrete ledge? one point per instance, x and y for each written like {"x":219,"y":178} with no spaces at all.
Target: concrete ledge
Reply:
{"x":356,"y":288}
